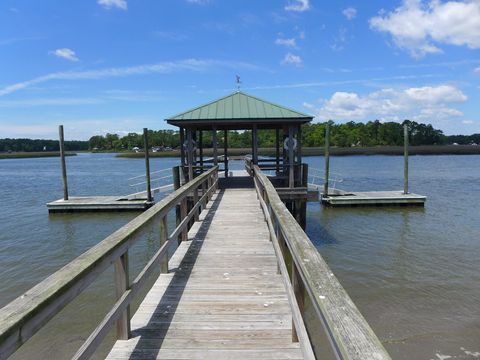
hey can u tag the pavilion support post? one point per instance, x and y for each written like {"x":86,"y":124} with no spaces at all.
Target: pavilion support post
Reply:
{"x":62,"y":162}
{"x":225,"y":151}
{"x":284,"y":153}
{"x":147,"y":165}
{"x":190,"y":154}
{"x":182,"y":150}
{"x":299,"y":144}
{"x":254,"y":145}
{"x":200,"y":148}
{"x":215,"y":146}
{"x":195,"y":160}
{"x":327,"y":160}
{"x":291,"y":167}
{"x":277,"y":150}
{"x":405,"y":159}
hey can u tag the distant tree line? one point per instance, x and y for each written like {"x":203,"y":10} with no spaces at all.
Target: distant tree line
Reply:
{"x":372,"y":133}
{"x":29,"y":145}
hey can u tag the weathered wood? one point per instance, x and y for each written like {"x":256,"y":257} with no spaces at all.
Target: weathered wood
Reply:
{"x":225,"y":151}
{"x":221,"y":289}
{"x":254,"y":145}
{"x":183,"y":215}
{"x":147,"y":165}
{"x":215,"y":146}
{"x":163,"y":240}
{"x":291,"y":169}
{"x":350,"y":335}
{"x":327,"y":159}
{"x":62,"y":162}
{"x":121,"y":285}
{"x":24,"y":316}
{"x":405,"y":159}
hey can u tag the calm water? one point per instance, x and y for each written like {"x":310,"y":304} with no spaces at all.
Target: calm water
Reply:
{"x":414,"y":273}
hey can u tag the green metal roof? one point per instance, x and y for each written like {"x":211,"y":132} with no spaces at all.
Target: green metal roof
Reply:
{"x":239,"y":106}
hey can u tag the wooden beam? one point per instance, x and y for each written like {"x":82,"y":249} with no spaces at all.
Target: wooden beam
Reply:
{"x":122,"y":284}
{"x":200,"y":147}
{"x":277,"y":149}
{"x":254,"y":145}
{"x":147,"y":165}
{"x":182,"y":148}
{"x":215,"y":146}
{"x":327,"y":160}
{"x":291,"y":169}
{"x":190,"y":153}
{"x":62,"y":162}
{"x":225,"y":151}
{"x":405,"y":159}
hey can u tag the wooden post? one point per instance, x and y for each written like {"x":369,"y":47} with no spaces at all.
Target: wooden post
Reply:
{"x":176,"y":186}
{"x":182,"y":148}
{"x":277,"y":150}
{"x":190,"y":154}
{"x":122,"y":284}
{"x":291,"y":177}
{"x":163,"y":240}
{"x":254,"y":145}
{"x":62,"y":162}
{"x":299,"y":144}
{"x":327,"y":160}
{"x":215,"y":146}
{"x":225,"y":151}
{"x":405,"y":159}
{"x":200,"y":148}
{"x":147,"y":165}
{"x":299,"y":291}
{"x":183,"y":215}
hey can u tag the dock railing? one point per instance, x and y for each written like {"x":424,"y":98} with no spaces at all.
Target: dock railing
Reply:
{"x":348,"y":332}
{"x":24,"y":316}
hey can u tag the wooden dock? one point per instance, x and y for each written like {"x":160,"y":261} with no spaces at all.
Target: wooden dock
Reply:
{"x":223,"y":297}
{"x":235,"y":288}
{"x":338,"y":198}
{"x":98,"y":203}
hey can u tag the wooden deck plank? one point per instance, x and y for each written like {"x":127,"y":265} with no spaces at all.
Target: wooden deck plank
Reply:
{"x":223,"y":297}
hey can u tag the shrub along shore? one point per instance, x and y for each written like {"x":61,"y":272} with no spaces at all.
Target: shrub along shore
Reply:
{"x":335,"y":151}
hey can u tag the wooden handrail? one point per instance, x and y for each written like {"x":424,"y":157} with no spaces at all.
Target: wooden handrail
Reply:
{"x":349,"y":333}
{"x":24,"y":316}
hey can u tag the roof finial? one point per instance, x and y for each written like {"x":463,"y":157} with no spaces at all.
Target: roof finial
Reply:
{"x":238,"y":82}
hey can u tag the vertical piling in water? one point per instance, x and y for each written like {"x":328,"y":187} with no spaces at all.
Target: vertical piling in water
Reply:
{"x":405,"y":159}
{"x":62,"y":162}
{"x":147,"y":165}
{"x":327,"y":160}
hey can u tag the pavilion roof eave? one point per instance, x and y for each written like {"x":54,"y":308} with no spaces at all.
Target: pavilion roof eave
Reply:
{"x":238,"y":123}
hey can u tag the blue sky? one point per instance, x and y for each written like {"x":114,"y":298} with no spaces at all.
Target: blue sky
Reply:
{"x":100,"y":66}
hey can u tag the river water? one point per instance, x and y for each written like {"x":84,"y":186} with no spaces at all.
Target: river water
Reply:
{"x":413,"y":273}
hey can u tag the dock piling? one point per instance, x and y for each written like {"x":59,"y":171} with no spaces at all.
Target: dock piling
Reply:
{"x":327,"y":160}
{"x":405,"y":159}
{"x":147,"y":165}
{"x":62,"y":161}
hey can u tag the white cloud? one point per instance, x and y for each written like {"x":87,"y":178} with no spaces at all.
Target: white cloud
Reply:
{"x":286,"y":42}
{"x":109,"y":4}
{"x":428,"y":103}
{"x":158,"y":68}
{"x":292,"y":59}
{"x":420,"y":28}
{"x":476,"y":71}
{"x":467,"y":122}
{"x":65,"y":53}
{"x":199,"y":2}
{"x":298,"y":5}
{"x":350,"y":13}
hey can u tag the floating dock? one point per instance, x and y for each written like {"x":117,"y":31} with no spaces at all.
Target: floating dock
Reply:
{"x":372,"y":198}
{"x":98,"y":203}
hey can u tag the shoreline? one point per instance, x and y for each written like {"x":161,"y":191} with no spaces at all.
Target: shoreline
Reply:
{"x":33,"y":154}
{"x":334,"y":151}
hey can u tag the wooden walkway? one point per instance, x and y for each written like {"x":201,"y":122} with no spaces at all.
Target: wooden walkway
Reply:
{"x":223,"y":297}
